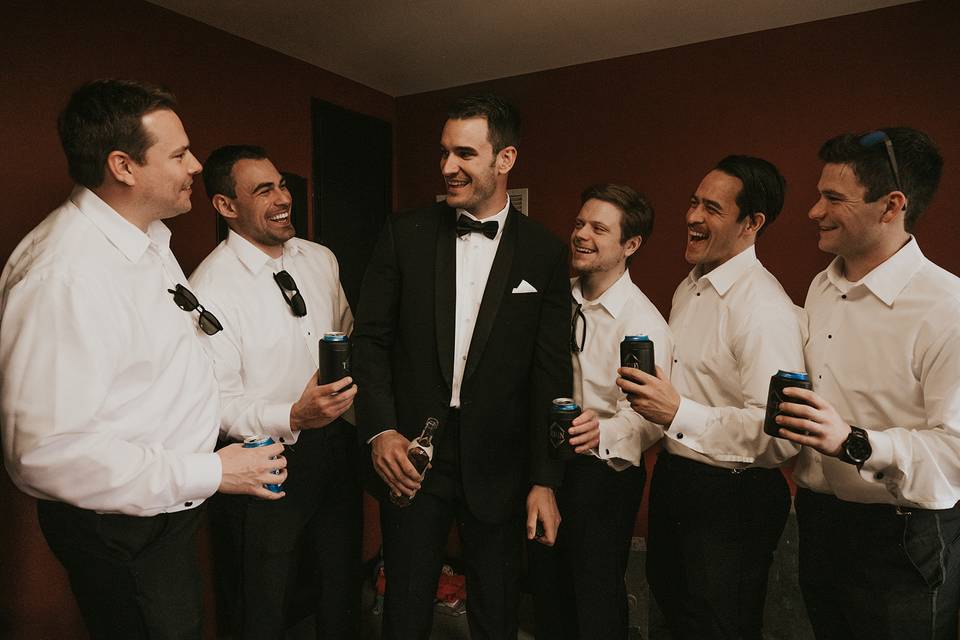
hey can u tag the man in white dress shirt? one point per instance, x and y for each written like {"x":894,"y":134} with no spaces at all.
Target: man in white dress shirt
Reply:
{"x":579,"y":585}
{"x":718,"y":501}
{"x":109,"y":402}
{"x":277,"y":295}
{"x":880,"y":469}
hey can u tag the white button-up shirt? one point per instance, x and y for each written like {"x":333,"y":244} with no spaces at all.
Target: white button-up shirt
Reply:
{"x":733,"y":329}
{"x":265,"y":355}
{"x":885,"y":352}
{"x":622,"y":310}
{"x":108,"y":398}
{"x":475,"y":254}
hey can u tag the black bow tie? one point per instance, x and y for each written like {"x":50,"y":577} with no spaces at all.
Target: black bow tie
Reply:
{"x":467,"y":225}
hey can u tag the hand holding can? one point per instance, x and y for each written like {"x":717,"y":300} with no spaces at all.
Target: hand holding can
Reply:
{"x":780,"y":381}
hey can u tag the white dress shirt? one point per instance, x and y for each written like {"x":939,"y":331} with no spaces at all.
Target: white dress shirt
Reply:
{"x":265,"y":354}
{"x":733,"y":328}
{"x":621,"y":310}
{"x":885,"y":352}
{"x":108,"y":398}
{"x":475,"y":254}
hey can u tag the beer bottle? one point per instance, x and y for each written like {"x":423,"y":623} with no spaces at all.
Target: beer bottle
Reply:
{"x":419,"y":453}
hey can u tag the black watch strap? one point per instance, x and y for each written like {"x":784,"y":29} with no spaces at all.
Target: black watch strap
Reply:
{"x":856,"y":448}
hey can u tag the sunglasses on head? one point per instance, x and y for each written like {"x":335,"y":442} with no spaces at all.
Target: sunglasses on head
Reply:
{"x":876,"y":137}
{"x":286,"y":283}
{"x":185,"y":299}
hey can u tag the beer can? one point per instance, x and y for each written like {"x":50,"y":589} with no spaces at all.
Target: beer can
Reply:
{"x":334,"y":357}
{"x":563,"y":411}
{"x":637,"y":352}
{"x":780,"y":381}
{"x":251,"y":442}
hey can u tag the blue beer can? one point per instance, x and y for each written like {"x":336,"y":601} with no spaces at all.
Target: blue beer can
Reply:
{"x":251,"y":442}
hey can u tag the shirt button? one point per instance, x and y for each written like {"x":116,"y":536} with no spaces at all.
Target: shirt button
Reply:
{"x":878,"y":475}
{"x":698,"y":293}
{"x":282,"y":440}
{"x":188,"y":504}
{"x":608,"y":451}
{"x":844,"y":296}
{"x":829,"y":336}
{"x":675,"y":361}
{"x":464,"y":358}
{"x":679,"y":436}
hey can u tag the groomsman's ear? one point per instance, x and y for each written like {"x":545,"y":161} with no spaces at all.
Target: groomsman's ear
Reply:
{"x":506,"y":157}
{"x":224,"y":206}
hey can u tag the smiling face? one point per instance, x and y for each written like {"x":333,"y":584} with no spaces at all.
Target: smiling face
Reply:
{"x":595,"y":244}
{"x":847,"y":226}
{"x":475,"y":176}
{"x":163,"y":183}
{"x":261,"y":211}
{"x":714,"y":235}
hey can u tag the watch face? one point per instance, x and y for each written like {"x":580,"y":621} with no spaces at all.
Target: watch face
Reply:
{"x":858,"y":449}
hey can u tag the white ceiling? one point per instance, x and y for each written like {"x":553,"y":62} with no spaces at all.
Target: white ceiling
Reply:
{"x":409,"y":46}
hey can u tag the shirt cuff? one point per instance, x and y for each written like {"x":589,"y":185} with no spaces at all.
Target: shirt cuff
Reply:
{"x":370,"y":441}
{"x":276,"y":418}
{"x":609,"y":449}
{"x":203,"y":475}
{"x":690,"y":421}
{"x":879,"y":467}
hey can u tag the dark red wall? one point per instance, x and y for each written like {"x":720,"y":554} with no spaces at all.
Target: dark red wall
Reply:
{"x":657,"y":121}
{"x":660,"y":121}
{"x":230,"y":90}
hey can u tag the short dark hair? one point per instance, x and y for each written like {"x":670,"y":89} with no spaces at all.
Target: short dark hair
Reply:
{"x":103,"y":116}
{"x":762,"y":190}
{"x":918,"y":161}
{"x":218,"y":169}
{"x":503,"y":120}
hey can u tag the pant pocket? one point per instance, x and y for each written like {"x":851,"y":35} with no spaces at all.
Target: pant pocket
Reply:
{"x":923,"y":544}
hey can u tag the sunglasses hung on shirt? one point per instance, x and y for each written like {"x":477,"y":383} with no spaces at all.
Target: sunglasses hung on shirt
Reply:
{"x":576,"y":346}
{"x":185,"y":299}
{"x":286,"y":283}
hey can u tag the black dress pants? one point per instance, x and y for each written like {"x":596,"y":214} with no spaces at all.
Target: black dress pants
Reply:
{"x":873,"y":571}
{"x":713,"y":533}
{"x":414,"y":538}
{"x":265,"y":546}
{"x":134,"y":577}
{"x":578,"y":584}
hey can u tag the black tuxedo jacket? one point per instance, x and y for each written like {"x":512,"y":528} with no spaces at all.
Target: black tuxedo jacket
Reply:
{"x":518,"y":360}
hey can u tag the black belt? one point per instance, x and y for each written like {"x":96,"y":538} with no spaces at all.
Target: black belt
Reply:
{"x":872,"y":509}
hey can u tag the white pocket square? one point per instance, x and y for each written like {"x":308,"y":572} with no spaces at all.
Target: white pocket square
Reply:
{"x":524,"y":287}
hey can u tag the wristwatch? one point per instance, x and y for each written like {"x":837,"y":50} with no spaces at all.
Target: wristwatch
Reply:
{"x":856,"y":448}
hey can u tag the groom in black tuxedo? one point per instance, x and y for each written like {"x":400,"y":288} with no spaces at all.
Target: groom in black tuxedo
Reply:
{"x":464,"y":316}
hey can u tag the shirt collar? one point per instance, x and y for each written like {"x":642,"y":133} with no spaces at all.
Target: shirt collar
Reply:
{"x":253,"y":257}
{"x":120,"y":232}
{"x":500,"y":218}
{"x":887,"y":279}
{"x":613,"y":299}
{"x":724,"y":276}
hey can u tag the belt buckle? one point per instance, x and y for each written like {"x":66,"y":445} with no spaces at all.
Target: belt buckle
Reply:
{"x":901,"y":511}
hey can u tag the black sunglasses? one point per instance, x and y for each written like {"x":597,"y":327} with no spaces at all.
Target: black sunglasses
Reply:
{"x":297,"y":304}
{"x":575,"y":345}
{"x":185,"y":299}
{"x":875,"y":138}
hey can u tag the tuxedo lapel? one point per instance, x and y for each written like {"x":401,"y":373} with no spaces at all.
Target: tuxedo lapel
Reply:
{"x":493,"y":294}
{"x":445,"y":290}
